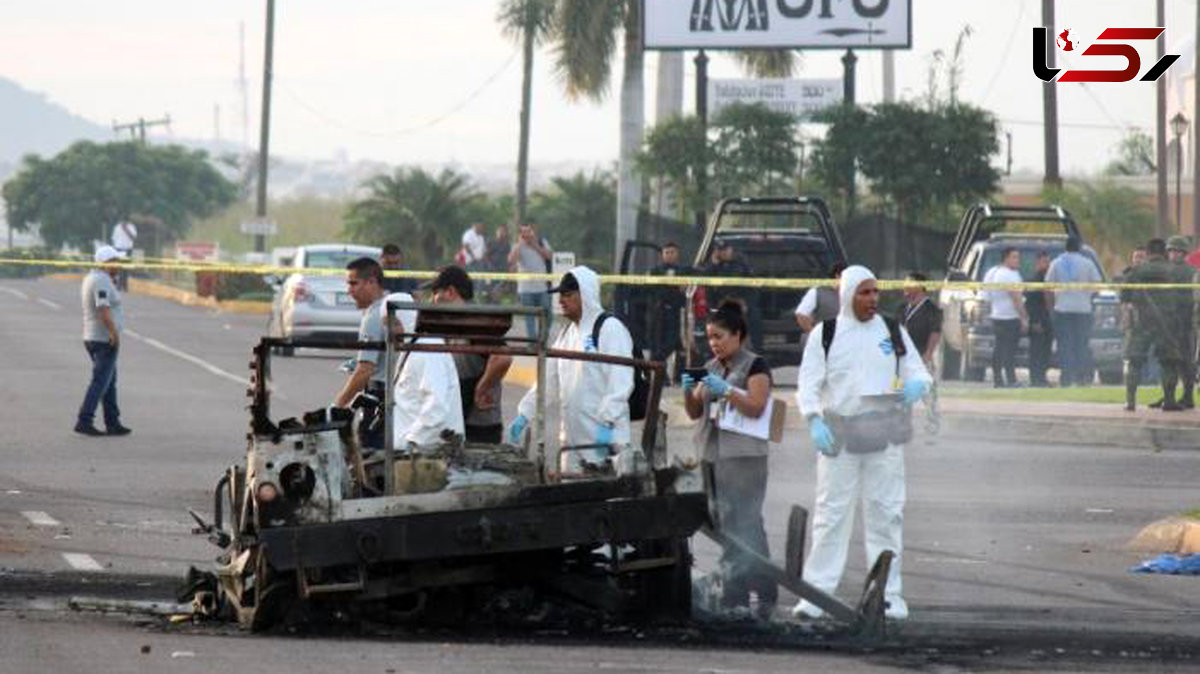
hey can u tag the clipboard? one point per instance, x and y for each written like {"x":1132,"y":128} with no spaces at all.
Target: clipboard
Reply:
{"x":768,"y":426}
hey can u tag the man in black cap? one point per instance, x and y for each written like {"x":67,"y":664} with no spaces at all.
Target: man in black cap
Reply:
{"x":480,"y":377}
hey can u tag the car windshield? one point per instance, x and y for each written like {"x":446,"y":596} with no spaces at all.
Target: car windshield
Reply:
{"x":332,"y":259}
{"x":991,"y":258}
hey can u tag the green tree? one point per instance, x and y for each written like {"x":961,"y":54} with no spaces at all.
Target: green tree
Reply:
{"x":1135,"y":155}
{"x":419,"y":211}
{"x":585,"y":42}
{"x":922,"y":163}
{"x":768,"y":62}
{"x":1114,"y":219}
{"x":530,"y":22}
{"x":754,"y":150}
{"x":79,"y":194}
{"x":577,"y":213}
{"x":678,"y":151}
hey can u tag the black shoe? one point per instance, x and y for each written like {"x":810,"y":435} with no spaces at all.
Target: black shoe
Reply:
{"x":88,"y":429}
{"x":1130,"y":407}
{"x":118,"y":430}
{"x":1172,"y":407}
{"x":1156,"y":404}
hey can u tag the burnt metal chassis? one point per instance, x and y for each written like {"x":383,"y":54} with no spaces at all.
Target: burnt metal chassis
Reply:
{"x":542,"y":518}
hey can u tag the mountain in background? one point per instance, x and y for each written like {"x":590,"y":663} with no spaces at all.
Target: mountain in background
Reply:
{"x":32,"y":124}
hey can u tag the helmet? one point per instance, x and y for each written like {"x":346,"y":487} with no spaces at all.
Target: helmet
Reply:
{"x":1179,"y":243}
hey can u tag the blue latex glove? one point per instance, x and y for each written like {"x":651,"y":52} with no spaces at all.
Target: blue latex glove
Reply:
{"x":715,"y":384}
{"x":516,"y":429}
{"x":914,"y":390}
{"x":604,"y":435}
{"x":821,"y":436}
{"x":688,"y":382}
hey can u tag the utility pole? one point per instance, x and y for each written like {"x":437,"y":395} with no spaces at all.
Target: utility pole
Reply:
{"x":889,"y":75}
{"x":137,"y":130}
{"x":1196,"y":138}
{"x":702,"y":115}
{"x":1160,"y":130}
{"x":264,"y":139}
{"x":1051,"y":177}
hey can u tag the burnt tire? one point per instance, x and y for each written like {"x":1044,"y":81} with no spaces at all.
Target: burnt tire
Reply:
{"x":274,"y":598}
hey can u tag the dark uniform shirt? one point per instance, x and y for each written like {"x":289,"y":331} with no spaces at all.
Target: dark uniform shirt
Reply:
{"x":921,"y":321}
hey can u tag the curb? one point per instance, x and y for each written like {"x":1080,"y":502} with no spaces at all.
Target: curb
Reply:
{"x":191,"y":299}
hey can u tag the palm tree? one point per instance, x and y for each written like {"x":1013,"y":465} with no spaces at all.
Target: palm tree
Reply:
{"x":585,"y":42}
{"x":768,"y":62}
{"x":530,"y":22}
{"x":419,"y":211}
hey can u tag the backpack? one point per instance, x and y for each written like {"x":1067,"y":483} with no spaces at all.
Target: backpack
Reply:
{"x":893,"y":329}
{"x":639,"y":398}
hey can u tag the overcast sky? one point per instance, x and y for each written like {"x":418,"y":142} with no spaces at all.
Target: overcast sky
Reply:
{"x":434,"y":81}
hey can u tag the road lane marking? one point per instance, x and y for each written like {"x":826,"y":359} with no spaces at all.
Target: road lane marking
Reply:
{"x":82,"y":562}
{"x":194,"y":360}
{"x":16,"y":293}
{"x":40,"y":518}
{"x":47,"y":303}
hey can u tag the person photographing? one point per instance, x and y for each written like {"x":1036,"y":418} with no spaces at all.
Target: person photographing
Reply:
{"x":740,"y":379}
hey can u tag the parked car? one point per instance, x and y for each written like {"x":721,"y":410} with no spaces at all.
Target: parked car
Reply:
{"x":313,"y":305}
{"x":967,"y":337}
{"x":776,"y":237}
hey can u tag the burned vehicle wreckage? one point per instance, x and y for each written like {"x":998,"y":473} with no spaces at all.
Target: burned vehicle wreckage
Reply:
{"x":313,"y":521}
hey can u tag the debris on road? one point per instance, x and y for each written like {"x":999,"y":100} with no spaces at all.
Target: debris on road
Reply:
{"x":1175,"y":565}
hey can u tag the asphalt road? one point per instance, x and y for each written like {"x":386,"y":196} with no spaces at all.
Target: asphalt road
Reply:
{"x":1005,"y":540}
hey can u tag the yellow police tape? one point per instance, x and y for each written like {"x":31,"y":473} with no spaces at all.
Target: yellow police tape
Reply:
{"x":639,"y":280}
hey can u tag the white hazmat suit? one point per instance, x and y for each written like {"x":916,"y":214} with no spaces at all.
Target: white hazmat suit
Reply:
{"x":426,"y":398}
{"x":587,"y":396}
{"x":861,"y":362}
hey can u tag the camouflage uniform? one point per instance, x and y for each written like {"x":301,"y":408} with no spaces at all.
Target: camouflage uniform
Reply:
{"x":1185,"y":318}
{"x":1155,"y":326}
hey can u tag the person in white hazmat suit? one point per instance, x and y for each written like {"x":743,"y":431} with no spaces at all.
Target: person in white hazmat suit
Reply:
{"x":591,"y":399}
{"x":862,"y":363}
{"x":427,"y":406}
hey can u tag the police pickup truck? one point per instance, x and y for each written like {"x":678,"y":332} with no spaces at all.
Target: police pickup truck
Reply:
{"x":765,"y":237}
{"x":967,"y":337}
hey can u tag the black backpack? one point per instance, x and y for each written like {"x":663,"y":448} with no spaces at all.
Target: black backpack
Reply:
{"x":893,"y":329}
{"x":639,"y":398}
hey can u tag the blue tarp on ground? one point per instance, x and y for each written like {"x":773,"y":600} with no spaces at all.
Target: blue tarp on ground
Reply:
{"x":1178,"y":565}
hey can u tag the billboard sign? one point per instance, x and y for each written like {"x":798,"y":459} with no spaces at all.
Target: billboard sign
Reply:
{"x":197,"y":251}
{"x":798,"y":98}
{"x":777,"y":24}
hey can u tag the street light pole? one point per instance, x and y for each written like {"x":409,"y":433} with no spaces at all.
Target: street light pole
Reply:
{"x":264,"y":138}
{"x":1179,"y":126}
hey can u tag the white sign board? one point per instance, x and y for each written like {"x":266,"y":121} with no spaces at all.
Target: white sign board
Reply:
{"x":777,"y":24}
{"x":260,"y":227}
{"x":561,"y":262}
{"x":197,"y":251}
{"x":798,"y":98}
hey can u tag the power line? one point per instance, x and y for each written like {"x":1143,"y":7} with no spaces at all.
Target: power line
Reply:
{"x":434,"y":121}
{"x":1076,"y":125}
{"x":1000,"y":65}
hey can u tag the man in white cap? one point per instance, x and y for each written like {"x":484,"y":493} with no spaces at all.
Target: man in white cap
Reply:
{"x":853,"y":368}
{"x":103,"y":320}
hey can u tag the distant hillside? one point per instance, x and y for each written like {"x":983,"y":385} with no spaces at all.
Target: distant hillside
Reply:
{"x":30,"y":123}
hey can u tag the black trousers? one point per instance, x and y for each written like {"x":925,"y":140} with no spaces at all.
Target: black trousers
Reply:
{"x":1041,"y":339}
{"x":1004,"y":356}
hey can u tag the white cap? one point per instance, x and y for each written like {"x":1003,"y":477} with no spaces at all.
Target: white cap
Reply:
{"x":108,"y":254}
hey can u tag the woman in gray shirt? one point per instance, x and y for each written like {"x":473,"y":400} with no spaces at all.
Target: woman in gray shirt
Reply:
{"x":741,"y":379}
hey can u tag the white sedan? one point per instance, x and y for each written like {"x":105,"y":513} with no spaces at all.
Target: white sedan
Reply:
{"x":310,"y":305}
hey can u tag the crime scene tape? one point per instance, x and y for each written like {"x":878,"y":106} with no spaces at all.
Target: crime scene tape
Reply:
{"x":636,"y":280}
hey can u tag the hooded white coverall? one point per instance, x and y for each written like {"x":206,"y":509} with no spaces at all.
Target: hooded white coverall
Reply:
{"x":587,"y":395}
{"x":861,"y":362}
{"x":426,"y":398}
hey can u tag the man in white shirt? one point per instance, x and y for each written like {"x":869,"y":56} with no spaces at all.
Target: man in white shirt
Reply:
{"x":427,"y":401}
{"x":474,"y":246}
{"x":103,"y":321}
{"x":1008,"y":316}
{"x":1073,"y":313}
{"x":842,"y":386}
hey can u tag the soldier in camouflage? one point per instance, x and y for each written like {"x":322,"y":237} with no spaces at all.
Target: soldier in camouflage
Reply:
{"x":1177,"y":250}
{"x":1155,"y":326}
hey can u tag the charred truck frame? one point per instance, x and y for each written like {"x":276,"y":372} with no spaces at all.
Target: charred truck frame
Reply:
{"x":309,"y":519}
